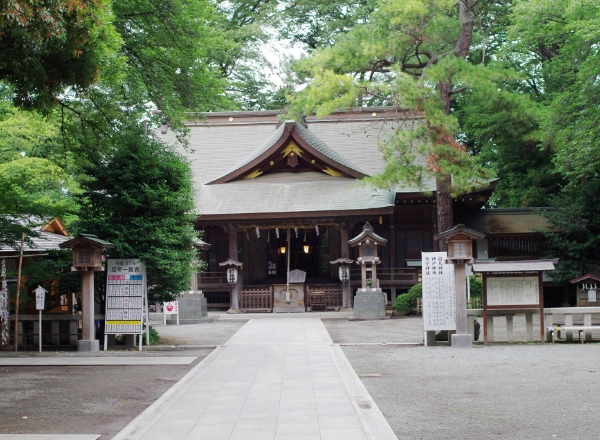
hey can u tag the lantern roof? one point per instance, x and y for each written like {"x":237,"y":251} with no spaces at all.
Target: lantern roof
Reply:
{"x":459,"y":231}
{"x":200,"y":244}
{"x":342,"y":261}
{"x":231,"y":262}
{"x":86,"y":240}
{"x":367,"y":234}
{"x":589,"y":276}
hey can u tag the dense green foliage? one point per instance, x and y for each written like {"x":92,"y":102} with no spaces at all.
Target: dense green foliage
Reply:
{"x":407,"y":302}
{"x":139,"y":197}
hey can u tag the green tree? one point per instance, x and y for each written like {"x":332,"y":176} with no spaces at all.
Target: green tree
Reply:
{"x":33,"y":190}
{"x":420,"y":57}
{"x":48,"y":46}
{"x":575,"y":236}
{"x":140,"y":198}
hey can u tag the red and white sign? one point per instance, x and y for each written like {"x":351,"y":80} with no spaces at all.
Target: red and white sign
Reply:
{"x":171,"y":308}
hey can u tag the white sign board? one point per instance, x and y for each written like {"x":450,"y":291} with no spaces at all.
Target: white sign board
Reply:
{"x":40,"y":298}
{"x":439,"y":299}
{"x":512,"y":291}
{"x":125,"y":291}
{"x":591,"y":296}
{"x":170,"y":308}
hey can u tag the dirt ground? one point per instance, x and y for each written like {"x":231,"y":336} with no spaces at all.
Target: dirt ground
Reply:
{"x":82,"y":400}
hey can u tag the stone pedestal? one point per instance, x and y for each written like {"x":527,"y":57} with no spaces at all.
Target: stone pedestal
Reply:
{"x":296,"y":298}
{"x":193,"y":309}
{"x":93,"y":345}
{"x":461,"y":340}
{"x":369,"y":303}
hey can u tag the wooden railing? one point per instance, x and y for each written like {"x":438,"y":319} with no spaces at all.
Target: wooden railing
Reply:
{"x":516,"y":248}
{"x":396,"y":276}
{"x":331,"y":294}
{"x":211,"y":279}
{"x":256,"y":298}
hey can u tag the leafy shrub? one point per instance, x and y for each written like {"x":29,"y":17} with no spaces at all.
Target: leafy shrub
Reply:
{"x":154,"y":337}
{"x":407,"y":302}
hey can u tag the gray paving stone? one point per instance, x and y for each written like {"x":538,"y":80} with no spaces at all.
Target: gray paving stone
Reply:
{"x":275,"y":377}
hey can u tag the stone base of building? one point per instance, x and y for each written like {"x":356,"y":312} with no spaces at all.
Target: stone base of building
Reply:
{"x":369,"y":303}
{"x":93,"y":345}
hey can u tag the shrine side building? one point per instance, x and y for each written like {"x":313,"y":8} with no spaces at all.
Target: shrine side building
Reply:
{"x":259,"y":180}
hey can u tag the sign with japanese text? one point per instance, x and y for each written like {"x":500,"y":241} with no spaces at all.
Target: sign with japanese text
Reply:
{"x":344,"y":273}
{"x":512,"y":291}
{"x":232,"y":275}
{"x":439,"y":300}
{"x":125,"y":291}
{"x":40,"y":298}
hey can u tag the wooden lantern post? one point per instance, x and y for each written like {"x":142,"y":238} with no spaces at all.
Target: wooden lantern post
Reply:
{"x":459,"y":240}
{"x":87,"y":259}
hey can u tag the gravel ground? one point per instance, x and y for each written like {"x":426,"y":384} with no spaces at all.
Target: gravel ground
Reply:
{"x":97,"y":400}
{"x":208,"y":333}
{"x":402,"y":329}
{"x":498,"y":391}
{"x":82,"y":400}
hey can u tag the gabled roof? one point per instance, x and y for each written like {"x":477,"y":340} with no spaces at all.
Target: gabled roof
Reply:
{"x":291,"y":138}
{"x":367,"y":233}
{"x":589,"y":276}
{"x":51,"y":235}
{"x":460,"y":229}
{"x":86,"y":239}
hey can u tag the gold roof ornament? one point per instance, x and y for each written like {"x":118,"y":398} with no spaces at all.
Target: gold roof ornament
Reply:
{"x":254,"y":174}
{"x":332,"y":172}
{"x":292,"y":148}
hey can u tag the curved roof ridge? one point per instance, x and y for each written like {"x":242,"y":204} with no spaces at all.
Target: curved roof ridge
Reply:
{"x":325,"y":149}
{"x":277,"y":139}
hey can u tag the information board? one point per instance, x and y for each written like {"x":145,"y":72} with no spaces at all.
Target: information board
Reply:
{"x":125,"y":292}
{"x":439,"y":300}
{"x":512,"y":291}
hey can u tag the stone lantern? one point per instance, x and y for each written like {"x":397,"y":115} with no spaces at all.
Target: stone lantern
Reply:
{"x":87,"y":259}
{"x":460,"y":252}
{"x":369,"y":302}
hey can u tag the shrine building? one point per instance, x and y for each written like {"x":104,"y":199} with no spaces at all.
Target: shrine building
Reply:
{"x":275,"y":197}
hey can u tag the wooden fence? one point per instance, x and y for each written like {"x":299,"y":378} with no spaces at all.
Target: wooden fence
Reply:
{"x":255,"y":299}
{"x":329,"y":296}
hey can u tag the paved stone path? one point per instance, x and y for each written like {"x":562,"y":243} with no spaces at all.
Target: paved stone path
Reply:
{"x":274,"y":379}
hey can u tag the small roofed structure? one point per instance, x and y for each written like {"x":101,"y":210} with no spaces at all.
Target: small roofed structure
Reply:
{"x":460,"y":242}
{"x":87,"y":259}
{"x":587,"y":286}
{"x":368,"y":241}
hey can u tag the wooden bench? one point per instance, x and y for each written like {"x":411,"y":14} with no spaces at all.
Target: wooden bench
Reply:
{"x":558,"y":329}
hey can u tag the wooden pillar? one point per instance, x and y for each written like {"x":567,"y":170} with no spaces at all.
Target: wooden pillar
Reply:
{"x":461,"y":300}
{"x":345,"y":253}
{"x":88,"y":331}
{"x":233,"y":254}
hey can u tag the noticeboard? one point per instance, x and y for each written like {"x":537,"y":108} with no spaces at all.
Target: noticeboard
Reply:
{"x":125,"y":292}
{"x":513,"y":291}
{"x":439,"y":299}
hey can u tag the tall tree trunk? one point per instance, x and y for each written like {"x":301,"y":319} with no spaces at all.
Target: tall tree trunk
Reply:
{"x":445,"y":216}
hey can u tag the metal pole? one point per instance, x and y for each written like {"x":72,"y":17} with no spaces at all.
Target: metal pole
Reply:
{"x":40,"y":331}
{"x":18,"y":289}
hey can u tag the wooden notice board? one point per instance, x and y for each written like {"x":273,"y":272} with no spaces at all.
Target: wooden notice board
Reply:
{"x":510,"y":291}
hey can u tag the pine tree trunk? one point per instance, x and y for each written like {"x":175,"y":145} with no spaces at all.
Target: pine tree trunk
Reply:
{"x":445,"y":216}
